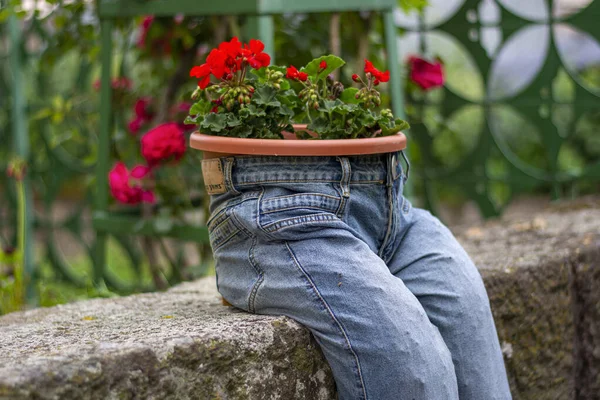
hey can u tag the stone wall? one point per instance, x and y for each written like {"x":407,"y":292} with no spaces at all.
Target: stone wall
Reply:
{"x":542,"y":275}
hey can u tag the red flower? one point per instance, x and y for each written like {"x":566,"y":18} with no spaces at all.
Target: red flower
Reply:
{"x":425,"y":74}
{"x":145,"y":27}
{"x":377,"y":74}
{"x":135,"y":125}
{"x":118,"y":84}
{"x":143,"y":114}
{"x":119,"y":180}
{"x":164,"y":143}
{"x":232,"y":50}
{"x":293,"y":73}
{"x":201,"y":72}
{"x":323,"y":65}
{"x":254,"y":54}
{"x":355,"y":78}
{"x":142,"y":108}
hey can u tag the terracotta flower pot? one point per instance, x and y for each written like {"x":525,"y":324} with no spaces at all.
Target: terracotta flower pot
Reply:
{"x":219,"y":146}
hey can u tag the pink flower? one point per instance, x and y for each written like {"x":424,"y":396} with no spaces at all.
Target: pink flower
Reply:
{"x":118,"y":84}
{"x":425,"y":74}
{"x":164,"y":143}
{"x":145,"y":27}
{"x":120,"y":182}
{"x":143,"y":114}
{"x":135,"y":125}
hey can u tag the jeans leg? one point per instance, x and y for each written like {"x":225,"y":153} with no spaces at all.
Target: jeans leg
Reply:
{"x":437,"y":270}
{"x":373,"y":331}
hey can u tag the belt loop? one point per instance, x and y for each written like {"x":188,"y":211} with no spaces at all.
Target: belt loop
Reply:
{"x":227,"y":170}
{"x":407,"y":165}
{"x":346,"y":172}
{"x":392,"y":168}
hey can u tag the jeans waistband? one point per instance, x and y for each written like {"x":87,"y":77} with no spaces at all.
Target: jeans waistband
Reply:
{"x":243,"y":171}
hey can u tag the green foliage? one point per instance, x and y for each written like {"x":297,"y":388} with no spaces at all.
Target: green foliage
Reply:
{"x":410,"y":5}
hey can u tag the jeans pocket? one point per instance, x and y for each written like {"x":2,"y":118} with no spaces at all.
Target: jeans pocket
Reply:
{"x":297,"y":209}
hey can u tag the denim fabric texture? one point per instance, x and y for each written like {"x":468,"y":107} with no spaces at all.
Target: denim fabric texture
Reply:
{"x":395,"y":303}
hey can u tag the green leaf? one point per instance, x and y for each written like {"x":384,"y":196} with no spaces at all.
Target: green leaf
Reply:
{"x":266,"y":95}
{"x":313,"y":69}
{"x":214,"y":122}
{"x":349,"y":96}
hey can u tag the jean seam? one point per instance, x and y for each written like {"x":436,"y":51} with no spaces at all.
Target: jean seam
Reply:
{"x":331,"y":314}
{"x":261,"y":277}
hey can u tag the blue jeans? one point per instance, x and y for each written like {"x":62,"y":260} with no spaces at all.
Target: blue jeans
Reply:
{"x":395,"y":303}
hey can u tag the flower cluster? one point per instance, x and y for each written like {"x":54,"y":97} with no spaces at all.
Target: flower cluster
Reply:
{"x":374,"y":77}
{"x":240,"y":95}
{"x":143,"y":114}
{"x":229,"y":59}
{"x":162,"y":144}
{"x":125,"y":185}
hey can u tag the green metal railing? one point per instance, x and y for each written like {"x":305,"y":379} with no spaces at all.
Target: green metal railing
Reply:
{"x":517,"y":113}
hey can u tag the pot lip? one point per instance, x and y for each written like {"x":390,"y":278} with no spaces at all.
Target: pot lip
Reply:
{"x":295,"y":147}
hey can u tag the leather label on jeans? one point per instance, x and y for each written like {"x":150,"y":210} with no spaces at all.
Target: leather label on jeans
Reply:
{"x":214,"y":179}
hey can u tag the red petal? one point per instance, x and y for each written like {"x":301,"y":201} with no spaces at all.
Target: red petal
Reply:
{"x":256,"y":46}
{"x":140,"y":171}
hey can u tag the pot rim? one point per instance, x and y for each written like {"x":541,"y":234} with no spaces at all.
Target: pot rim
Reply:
{"x":296,"y":147}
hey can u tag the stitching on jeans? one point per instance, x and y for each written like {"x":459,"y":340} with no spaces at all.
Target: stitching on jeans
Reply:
{"x":261,"y":276}
{"x":284,"y":181}
{"x":224,"y":241}
{"x":331,"y":314}
{"x":307,"y":181}
{"x":293,"y":196}
{"x":295,"y":208}
{"x":304,"y":220}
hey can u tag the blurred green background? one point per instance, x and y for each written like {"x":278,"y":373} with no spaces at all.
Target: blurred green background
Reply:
{"x":518,"y":118}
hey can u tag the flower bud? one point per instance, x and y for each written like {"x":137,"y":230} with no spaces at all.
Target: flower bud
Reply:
{"x":196,"y":94}
{"x":247,"y":99}
{"x":316,"y":105}
{"x":356,"y":78}
{"x":277,"y":86}
{"x":241,"y":98}
{"x":313,"y":97}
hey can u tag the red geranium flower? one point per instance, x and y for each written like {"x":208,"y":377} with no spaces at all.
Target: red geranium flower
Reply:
{"x":232,"y":50}
{"x":254,"y":54}
{"x":323,"y":65}
{"x":120,"y":182}
{"x":425,"y":74}
{"x":201,"y":72}
{"x":379,"y":76}
{"x":293,"y":73}
{"x":164,"y":143}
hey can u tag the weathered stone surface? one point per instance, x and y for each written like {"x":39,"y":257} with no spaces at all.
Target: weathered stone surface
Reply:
{"x":542,"y":275}
{"x":543,"y":280}
{"x":181,"y":344}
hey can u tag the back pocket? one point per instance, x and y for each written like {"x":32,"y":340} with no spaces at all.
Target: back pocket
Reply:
{"x":281,"y":208}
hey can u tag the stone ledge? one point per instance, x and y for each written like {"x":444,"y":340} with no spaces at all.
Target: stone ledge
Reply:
{"x":542,"y":275}
{"x":180,"y":344}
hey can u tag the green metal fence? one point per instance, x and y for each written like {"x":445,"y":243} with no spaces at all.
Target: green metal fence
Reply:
{"x":520,"y":111}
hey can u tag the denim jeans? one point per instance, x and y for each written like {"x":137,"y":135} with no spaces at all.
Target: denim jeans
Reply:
{"x":396,"y":305}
